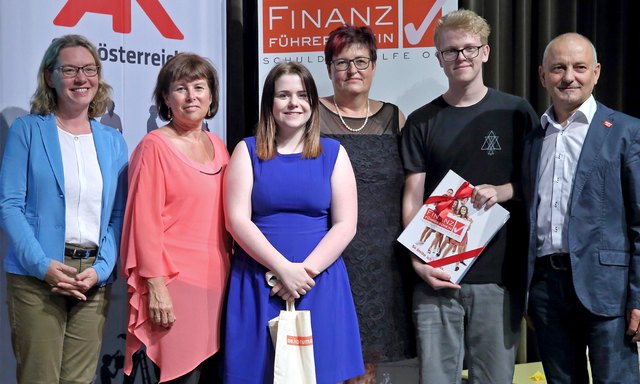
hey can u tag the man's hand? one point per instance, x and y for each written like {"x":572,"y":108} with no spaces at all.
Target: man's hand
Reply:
{"x":436,"y":278}
{"x":633,"y":324}
{"x":484,"y":194}
{"x":487,"y":195}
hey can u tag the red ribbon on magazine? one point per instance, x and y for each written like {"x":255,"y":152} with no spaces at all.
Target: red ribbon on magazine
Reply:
{"x":455,"y":258}
{"x":444,"y":202}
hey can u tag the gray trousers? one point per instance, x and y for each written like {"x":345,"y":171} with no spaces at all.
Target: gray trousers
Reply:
{"x":476,"y":319}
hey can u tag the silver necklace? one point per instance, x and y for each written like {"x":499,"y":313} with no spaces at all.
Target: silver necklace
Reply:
{"x":63,"y":127}
{"x":345,"y":124}
{"x":60,"y":123}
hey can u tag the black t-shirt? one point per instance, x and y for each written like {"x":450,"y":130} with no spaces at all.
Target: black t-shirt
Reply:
{"x":483,"y":144}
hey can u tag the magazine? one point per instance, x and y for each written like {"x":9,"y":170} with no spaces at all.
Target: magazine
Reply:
{"x":448,"y":232}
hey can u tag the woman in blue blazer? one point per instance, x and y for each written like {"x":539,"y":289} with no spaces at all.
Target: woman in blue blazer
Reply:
{"x":62,"y":197}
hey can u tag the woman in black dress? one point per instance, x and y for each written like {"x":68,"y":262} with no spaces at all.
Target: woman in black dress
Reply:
{"x":379,"y":271}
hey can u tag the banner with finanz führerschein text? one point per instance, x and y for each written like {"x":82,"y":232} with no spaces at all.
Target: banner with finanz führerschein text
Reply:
{"x":407,"y":71}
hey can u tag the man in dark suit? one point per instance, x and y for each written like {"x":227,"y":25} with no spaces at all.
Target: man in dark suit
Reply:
{"x":581,"y":182}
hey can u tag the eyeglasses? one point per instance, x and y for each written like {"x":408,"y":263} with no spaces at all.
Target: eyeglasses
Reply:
{"x":467,"y":52}
{"x":70,"y":71}
{"x":361,"y":63}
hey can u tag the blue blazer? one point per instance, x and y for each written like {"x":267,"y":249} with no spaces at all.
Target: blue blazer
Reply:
{"x":32,"y":196}
{"x":603,"y":212}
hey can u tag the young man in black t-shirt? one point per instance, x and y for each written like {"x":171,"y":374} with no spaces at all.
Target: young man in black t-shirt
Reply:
{"x":476,"y":132}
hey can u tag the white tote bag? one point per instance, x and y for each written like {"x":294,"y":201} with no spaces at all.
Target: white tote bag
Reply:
{"x":293,"y":342}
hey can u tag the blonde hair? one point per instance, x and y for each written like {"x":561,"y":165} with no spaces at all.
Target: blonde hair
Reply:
{"x":45,"y":99}
{"x":266,"y":145}
{"x":463,"y":20}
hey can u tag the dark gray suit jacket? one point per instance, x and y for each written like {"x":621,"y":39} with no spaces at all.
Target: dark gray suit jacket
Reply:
{"x":603,"y":213}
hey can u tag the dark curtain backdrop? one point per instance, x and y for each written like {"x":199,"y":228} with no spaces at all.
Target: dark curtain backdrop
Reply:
{"x":520,"y":31}
{"x":522,"y":28}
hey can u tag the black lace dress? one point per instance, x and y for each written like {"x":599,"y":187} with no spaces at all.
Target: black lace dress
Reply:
{"x":379,"y":269}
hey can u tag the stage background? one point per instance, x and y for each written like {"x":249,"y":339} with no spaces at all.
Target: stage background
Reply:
{"x":520,"y":31}
{"x":407,"y":71}
{"x":134,"y":38}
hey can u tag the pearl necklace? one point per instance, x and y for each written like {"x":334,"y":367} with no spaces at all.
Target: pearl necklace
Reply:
{"x":345,"y":124}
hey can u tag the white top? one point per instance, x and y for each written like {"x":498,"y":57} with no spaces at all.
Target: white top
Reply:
{"x":82,"y":188}
{"x":558,"y":162}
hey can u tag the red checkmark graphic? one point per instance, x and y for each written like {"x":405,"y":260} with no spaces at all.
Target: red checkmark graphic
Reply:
{"x":417,"y":35}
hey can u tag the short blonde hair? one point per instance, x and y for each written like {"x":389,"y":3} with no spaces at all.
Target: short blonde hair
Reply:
{"x":463,"y":20}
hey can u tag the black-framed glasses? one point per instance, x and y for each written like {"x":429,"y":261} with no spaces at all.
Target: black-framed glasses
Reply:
{"x":68,"y":71}
{"x":361,"y":63}
{"x":467,"y":53}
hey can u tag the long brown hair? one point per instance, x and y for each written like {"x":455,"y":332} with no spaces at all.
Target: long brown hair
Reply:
{"x":45,"y":99}
{"x":266,"y":145}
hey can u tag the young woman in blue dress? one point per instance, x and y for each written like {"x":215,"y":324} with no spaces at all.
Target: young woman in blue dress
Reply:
{"x":291,"y":205}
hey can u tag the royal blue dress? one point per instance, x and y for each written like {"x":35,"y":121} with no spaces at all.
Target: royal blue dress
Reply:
{"x":291,"y":202}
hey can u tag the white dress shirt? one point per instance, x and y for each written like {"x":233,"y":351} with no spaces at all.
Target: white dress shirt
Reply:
{"x":82,"y":188}
{"x":558,"y":162}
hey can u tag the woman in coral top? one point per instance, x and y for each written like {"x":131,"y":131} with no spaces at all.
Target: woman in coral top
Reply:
{"x":174,"y":247}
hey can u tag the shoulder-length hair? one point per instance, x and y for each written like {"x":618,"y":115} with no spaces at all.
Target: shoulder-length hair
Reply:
{"x":45,"y":99}
{"x":266,"y":145}
{"x":185,"y":66}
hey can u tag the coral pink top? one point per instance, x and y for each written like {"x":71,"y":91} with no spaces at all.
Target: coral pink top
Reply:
{"x":174,"y":227}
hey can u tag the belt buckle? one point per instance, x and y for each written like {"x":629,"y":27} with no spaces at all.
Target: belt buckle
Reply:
{"x":557,"y":264}
{"x":77,"y":254}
